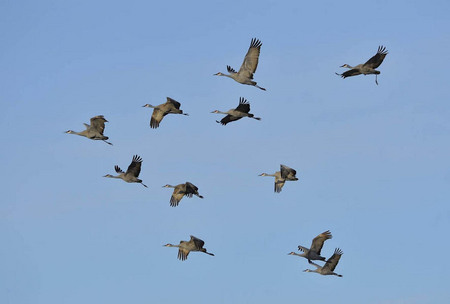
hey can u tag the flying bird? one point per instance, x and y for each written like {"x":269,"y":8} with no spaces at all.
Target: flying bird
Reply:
{"x":368,"y":67}
{"x":248,"y":67}
{"x":179,"y":191}
{"x":131,"y":176}
{"x":285,"y":174}
{"x":171,"y":106}
{"x":194,"y":244}
{"x":330,"y":265}
{"x":242,"y":110}
{"x":94,"y":130}
{"x":313,"y":253}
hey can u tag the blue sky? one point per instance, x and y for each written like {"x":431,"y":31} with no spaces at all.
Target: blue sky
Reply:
{"x":372,"y":161}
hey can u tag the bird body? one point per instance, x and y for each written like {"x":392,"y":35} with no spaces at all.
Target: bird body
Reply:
{"x":185,"y":247}
{"x":95,"y":130}
{"x":366,"y":68}
{"x":313,"y":253}
{"x":248,"y":67}
{"x":131,"y":176}
{"x":242,"y":110}
{"x":330,"y":265}
{"x":179,"y":191}
{"x":285,"y":174}
{"x":171,"y":106}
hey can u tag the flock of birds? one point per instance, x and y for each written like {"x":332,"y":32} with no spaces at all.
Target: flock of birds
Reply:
{"x":96,"y":128}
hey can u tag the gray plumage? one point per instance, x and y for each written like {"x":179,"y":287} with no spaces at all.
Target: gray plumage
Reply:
{"x":185,"y":247}
{"x":368,"y":67}
{"x":171,"y":106}
{"x":132,"y":174}
{"x":95,"y":130}
{"x":179,"y":191}
{"x":313,"y":253}
{"x":330,"y":265}
{"x":242,"y":110}
{"x":248,"y":67}
{"x":285,"y":174}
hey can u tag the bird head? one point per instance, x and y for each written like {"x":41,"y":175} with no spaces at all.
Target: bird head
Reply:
{"x":291,"y":253}
{"x":168,"y":245}
{"x":107,"y":175}
{"x":167,"y":186}
{"x":218,"y":74}
{"x":308,"y":270}
{"x":148,"y":106}
{"x":69,"y":132}
{"x":345,"y":66}
{"x":215,"y":111}
{"x":263,"y":174}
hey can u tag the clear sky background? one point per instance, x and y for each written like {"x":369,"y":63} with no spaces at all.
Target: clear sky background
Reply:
{"x":373,"y":161}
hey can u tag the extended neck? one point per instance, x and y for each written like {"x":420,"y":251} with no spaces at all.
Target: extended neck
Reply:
{"x":113,"y":176}
{"x":76,"y":133}
{"x":265,"y":174}
{"x":171,"y":245}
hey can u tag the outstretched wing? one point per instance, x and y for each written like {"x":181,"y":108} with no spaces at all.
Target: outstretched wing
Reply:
{"x":228,"y":119}
{"x":175,"y":103}
{"x":279,"y":183}
{"x":317,"y":242}
{"x":250,"y":63}
{"x":286,"y":171}
{"x":378,"y":58}
{"x":190,"y":189}
{"x":183,"y":254}
{"x":333,"y":261}
{"x":118,"y":170}
{"x":231,"y":70}
{"x":157,"y":116}
{"x":175,"y":198}
{"x":98,"y":123}
{"x":197,"y":242}
{"x":352,"y":72}
{"x":243,"y":106}
{"x":135,"y":167}
{"x":304,"y":249}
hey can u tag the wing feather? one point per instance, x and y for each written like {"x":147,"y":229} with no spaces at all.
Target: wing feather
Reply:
{"x":287,"y":171}
{"x":317,"y":242}
{"x":378,"y":58}
{"x":197,"y":242}
{"x":349,"y":73}
{"x":250,"y":63}
{"x":243,"y":106}
{"x":135,"y":167}
{"x":98,"y":123}
{"x":333,"y":261}
{"x":157,"y":116}
{"x":175,"y":103}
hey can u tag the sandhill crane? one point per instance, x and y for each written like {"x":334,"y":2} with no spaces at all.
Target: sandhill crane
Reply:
{"x":194,"y":244}
{"x":285,"y":174}
{"x":242,"y":110}
{"x":248,"y":67}
{"x":368,"y":67}
{"x":94,"y":130}
{"x":187,"y":189}
{"x":329,"y":266}
{"x":313,"y":253}
{"x":171,"y":106}
{"x":131,"y":176}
